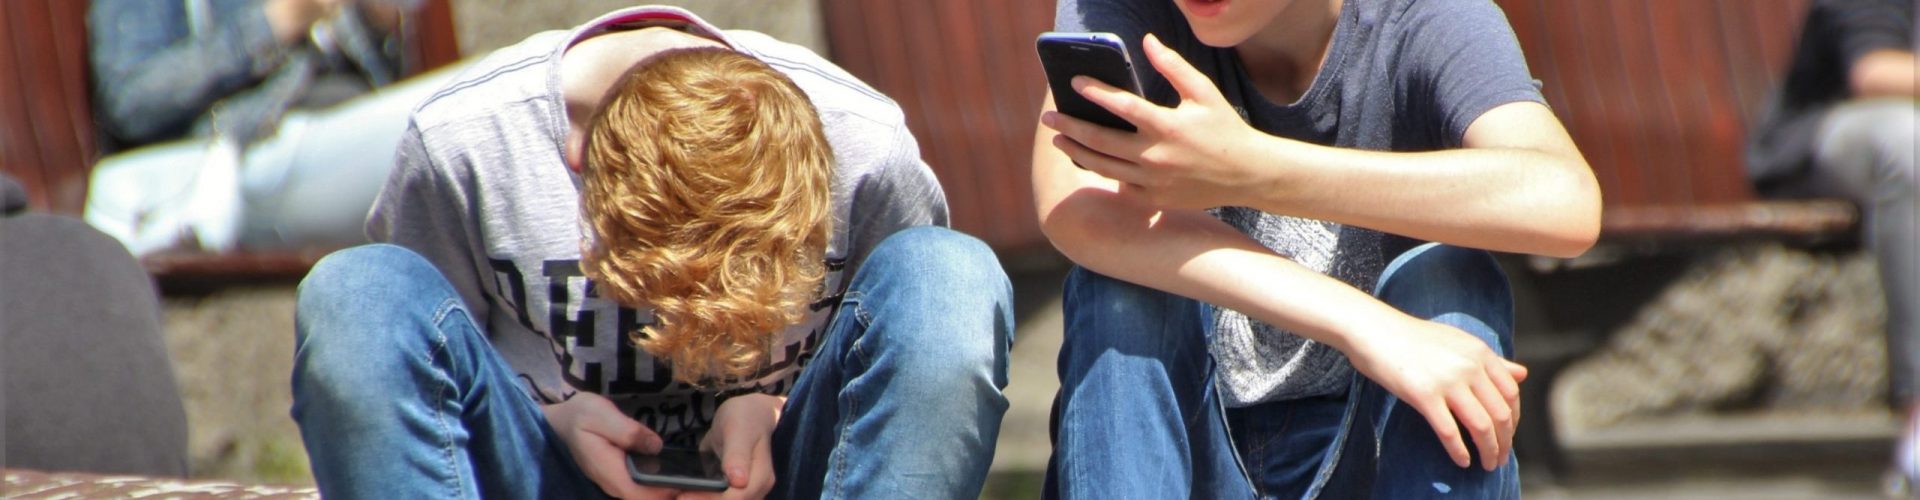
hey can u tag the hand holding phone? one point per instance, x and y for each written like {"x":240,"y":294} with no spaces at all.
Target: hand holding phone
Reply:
{"x":1102,"y":56}
{"x":678,"y":468}
{"x":1192,"y":154}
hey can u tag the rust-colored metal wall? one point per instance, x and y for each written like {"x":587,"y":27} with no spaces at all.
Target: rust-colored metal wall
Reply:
{"x":966,"y":74}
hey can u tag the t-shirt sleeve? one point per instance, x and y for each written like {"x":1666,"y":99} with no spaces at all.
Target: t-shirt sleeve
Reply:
{"x":1463,"y":60}
{"x":425,"y":207}
{"x":901,"y":193}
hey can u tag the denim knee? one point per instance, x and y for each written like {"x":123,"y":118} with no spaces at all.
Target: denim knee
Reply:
{"x":939,"y":300}
{"x":1462,"y":287}
{"x":1108,"y":314}
{"x":361,"y":312}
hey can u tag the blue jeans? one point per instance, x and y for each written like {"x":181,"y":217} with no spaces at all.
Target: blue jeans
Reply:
{"x":1137,"y":415}
{"x":399,"y":395}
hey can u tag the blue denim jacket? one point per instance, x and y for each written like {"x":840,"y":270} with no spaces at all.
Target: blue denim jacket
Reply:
{"x":167,"y":69}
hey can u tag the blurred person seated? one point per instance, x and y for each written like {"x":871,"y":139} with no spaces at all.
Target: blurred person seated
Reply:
{"x":1842,"y":125}
{"x":86,"y":388}
{"x":255,"y":123}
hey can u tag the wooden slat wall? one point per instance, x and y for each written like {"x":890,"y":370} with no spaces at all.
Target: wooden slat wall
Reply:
{"x":432,"y":36}
{"x":966,"y":74}
{"x":47,"y":136}
{"x":1659,"y":94}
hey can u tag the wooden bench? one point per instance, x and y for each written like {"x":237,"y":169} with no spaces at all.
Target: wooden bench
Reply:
{"x":48,"y":140}
{"x":1660,"y":96}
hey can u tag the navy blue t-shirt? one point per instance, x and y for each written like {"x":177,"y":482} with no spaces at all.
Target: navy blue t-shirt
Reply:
{"x":1400,"y":75}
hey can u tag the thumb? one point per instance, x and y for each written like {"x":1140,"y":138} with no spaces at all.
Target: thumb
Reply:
{"x":623,"y":431}
{"x":736,"y":458}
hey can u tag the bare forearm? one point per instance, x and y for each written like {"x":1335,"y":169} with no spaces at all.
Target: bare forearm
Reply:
{"x":1191,"y":254}
{"x":1517,"y":184}
{"x":1506,"y":199}
{"x":1194,"y":255}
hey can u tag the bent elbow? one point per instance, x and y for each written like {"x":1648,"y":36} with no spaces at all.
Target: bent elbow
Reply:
{"x":1581,"y":229}
{"x":1573,"y":242}
{"x":1084,"y":228}
{"x":1575,"y":233}
{"x":1065,"y":229}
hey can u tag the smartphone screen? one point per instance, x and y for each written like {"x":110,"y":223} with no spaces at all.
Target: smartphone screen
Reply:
{"x":678,"y":468}
{"x":1099,"y":55}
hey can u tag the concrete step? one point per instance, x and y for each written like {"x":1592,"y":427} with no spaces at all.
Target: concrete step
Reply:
{"x":1754,"y":455}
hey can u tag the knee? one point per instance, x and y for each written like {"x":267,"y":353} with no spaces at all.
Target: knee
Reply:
{"x":940,"y":299}
{"x":1105,"y":314}
{"x":351,"y":311}
{"x":1881,"y":131}
{"x":936,"y":268}
{"x":1462,"y":287}
{"x":1894,"y":134}
{"x":364,"y":279}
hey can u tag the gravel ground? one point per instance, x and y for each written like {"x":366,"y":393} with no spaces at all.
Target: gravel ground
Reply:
{"x":232,"y":353}
{"x":1749,"y":328}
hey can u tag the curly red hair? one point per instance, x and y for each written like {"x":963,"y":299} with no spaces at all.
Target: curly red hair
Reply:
{"x":706,"y":197}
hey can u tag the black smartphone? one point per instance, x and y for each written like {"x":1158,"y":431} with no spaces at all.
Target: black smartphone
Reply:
{"x":678,"y":468}
{"x":1099,"y":55}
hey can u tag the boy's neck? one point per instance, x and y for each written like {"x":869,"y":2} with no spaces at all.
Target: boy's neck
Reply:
{"x":1284,"y":58}
{"x":591,"y":66}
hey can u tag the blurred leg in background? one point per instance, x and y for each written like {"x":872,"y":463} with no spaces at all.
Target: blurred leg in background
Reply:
{"x":1866,"y":153}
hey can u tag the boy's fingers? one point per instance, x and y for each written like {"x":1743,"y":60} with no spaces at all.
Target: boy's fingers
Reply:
{"x":736,"y":458}
{"x":1501,"y":412}
{"x":1132,"y":108}
{"x":1518,"y":370}
{"x":1108,"y":141}
{"x":1503,"y":380}
{"x":1097,"y":162}
{"x":625,"y":433}
{"x":1444,"y":428}
{"x":1187,"y":80}
{"x":1467,"y":409}
{"x":760,"y":480}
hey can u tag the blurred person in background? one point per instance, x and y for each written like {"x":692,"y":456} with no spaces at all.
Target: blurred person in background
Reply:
{"x":263,"y":123}
{"x":1842,"y":125}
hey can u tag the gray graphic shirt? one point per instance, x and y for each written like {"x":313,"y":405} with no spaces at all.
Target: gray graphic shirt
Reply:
{"x":482,"y":191}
